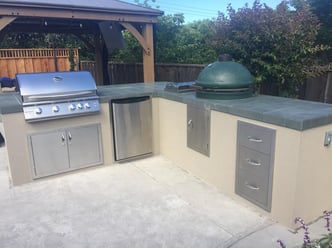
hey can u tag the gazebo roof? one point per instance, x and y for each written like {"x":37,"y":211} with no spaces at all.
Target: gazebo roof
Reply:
{"x":96,"y":5}
{"x":97,"y":9}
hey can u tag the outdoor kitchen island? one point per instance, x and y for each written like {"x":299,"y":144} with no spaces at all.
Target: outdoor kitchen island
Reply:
{"x":296,"y":182}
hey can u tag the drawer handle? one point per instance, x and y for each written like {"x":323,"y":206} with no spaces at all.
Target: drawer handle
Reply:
{"x":63,"y":139}
{"x":250,"y":186}
{"x":190,"y":124}
{"x":69,"y":137}
{"x":257,"y":140}
{"x":253,"y":163}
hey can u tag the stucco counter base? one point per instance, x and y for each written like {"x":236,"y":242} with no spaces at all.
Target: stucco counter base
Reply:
{"x":302,"y":167}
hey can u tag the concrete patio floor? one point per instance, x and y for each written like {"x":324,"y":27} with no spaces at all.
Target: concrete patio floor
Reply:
{"x":146,"y":203}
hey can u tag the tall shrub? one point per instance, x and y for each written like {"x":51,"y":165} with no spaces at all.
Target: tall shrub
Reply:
{"x":274,"y":44}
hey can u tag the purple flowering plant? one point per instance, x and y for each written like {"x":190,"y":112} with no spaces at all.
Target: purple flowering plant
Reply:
{"x":324,"y":242}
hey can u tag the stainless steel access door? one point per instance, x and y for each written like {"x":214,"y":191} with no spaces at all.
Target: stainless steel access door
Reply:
{"x":49,"y":152}
{"x":132,"y":127}
{"x":84,"y":145}
{"x":198,"y":129}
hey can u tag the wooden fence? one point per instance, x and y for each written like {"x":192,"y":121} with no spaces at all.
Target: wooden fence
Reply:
{"x":14,"y":61}
{"x":133,"y":72}
{"x":318,"y":88}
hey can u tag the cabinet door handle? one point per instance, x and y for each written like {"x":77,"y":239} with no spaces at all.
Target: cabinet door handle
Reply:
{"x":63,"y":139}
{"x":253,"y":163}
{"x":190,"y":124}
{"x":250,"y":186}
{"x":69,"y":136}
{"x":257,"y":140}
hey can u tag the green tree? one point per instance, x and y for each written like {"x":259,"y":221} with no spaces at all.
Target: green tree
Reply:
{"x":23,"y":40}
{"x":275,"y":45}
{"x":131,"y":54}
{"x":175,"y":42}
{"x":167,"y":31}
{"x":192,"y":43}
{"x":323,"y":10}
{"x":50,"y":40}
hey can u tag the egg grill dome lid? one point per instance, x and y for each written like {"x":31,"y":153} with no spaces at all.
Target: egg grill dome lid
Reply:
{"x":225,"y":75}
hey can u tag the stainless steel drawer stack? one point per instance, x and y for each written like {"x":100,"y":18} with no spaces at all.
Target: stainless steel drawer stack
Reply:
{"x":254,"y":165}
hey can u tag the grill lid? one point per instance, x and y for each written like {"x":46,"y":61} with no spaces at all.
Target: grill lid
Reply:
{"x":224,"y":80}
{"x":54,"y":95}
{"x":35,"y":87}
{"x":226,"y":75}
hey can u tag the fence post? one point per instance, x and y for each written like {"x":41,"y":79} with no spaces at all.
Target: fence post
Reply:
{"x":327,"y":86}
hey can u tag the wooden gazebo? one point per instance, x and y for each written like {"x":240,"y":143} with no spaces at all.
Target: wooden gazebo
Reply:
{"x":80,"y":17}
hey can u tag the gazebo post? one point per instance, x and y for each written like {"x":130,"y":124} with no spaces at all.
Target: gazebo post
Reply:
{"x":99,"y":60}
{"x":148,"y":57}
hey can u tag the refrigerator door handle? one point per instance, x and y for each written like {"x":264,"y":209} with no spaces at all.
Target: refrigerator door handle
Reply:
{"x":131,"y":100}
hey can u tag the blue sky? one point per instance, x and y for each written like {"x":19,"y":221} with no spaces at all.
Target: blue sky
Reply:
{"x":203,"y":9}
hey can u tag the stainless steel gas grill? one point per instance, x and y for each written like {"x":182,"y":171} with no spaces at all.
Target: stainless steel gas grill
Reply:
{"x":54,"y":95}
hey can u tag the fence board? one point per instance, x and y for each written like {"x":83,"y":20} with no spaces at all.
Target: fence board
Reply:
{"x":20,"y":68}
{"x":28,"y":64}
{"x":11,"y":68}
{"x":3,"y":67}
{"x":45,"y":65}
{"x":89,"y":66}
{"x":14,"y":61}
{"x":63,"y":64}
{"x":36,"y":65}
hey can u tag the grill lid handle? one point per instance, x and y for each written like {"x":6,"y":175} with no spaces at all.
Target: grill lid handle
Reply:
{"x":59,"y":96}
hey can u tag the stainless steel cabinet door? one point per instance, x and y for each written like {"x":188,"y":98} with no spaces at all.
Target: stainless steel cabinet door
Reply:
{"x":198,"y":129}
{"x":84,"y":145}
{"x":49,"y":153}
{"x":132,"y":126}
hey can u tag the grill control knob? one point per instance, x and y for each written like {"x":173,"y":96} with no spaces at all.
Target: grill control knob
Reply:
{"x":38,"y":110}
{"x":72,"y":107}
{"x":55,"y":109}
{"x":80,"y":106}
{"x":87,"y":105}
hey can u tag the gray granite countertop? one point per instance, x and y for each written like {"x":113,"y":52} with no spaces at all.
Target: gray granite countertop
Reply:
{"x":285,"y":112}
{"x":10,"y":103}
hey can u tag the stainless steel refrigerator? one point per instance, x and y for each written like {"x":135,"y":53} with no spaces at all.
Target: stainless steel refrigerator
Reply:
{"x":132,"y":127}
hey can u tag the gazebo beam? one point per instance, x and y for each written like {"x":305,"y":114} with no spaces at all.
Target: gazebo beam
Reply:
{"x":74,"y":14}
{"x":146,"y":41}
{"x":5,"y":20}
{"x":137,"y":35}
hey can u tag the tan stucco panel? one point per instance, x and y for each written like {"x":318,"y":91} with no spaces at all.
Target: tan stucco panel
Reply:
{"x":17,"y":131}
{"x":315,"y":175}
{"x":301,"y":172}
